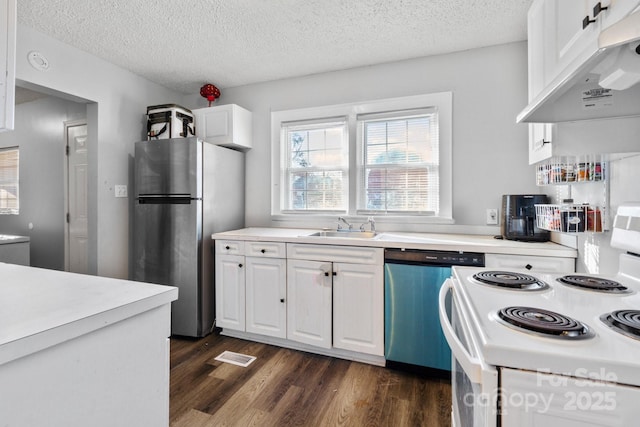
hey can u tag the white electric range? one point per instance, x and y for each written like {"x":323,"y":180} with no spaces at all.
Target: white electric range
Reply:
{"x":547,"y":349}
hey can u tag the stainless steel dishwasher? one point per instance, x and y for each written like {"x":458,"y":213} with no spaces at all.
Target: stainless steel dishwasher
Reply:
{"x":412,"y":280}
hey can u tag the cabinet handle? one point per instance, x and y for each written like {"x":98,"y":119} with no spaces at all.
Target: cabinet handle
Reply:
{"x":586,"y":21}
{"x":326,"y":274}
{"x":335,"y":273}
{"x":240,"y":265}
{"x":263,"y":250}
{"x":227,"y":247}
{"x":282,"y":300}
{"x":598,"y":8}
{"x":528,"y":266}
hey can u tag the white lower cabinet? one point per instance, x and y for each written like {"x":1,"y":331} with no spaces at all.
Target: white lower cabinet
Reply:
{"x":309,"y":293}
{"x":230,"y":291}
{"x":328,"y":297}
{"x":358,"y":308}
{"x":251,"y":283}
{"x":333,"y":303}
{"x":266,"y":291}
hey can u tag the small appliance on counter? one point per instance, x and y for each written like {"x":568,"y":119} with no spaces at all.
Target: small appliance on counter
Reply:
{"x":518,"y":220}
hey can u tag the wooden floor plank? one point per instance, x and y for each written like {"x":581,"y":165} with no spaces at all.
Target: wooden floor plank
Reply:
{"x":285,"y":387}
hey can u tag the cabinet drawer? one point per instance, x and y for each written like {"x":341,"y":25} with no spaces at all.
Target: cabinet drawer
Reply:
{"x":266,"y":249}
{"x":231,"y":247}
{"x":532,"y":263}
{"x":350,"y":254}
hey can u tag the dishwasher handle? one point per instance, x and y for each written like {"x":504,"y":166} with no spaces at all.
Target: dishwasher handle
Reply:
{"x":472,"y":365}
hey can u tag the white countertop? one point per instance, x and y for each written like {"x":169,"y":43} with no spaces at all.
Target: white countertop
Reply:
{"x":40,"y":308}
{"x":8,"y":238}
{"x":427,"y":241}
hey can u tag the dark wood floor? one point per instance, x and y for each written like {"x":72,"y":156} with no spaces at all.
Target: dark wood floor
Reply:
{"x":291,"y":388}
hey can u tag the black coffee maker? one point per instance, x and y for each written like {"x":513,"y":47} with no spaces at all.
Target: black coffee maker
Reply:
{"x":518,"y":220}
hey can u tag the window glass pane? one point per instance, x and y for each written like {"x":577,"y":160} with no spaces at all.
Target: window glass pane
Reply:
{"x":318,"y":156}
{"x":400,"y":158}
{"x":9,"y":174}
{"x":317,"y":191}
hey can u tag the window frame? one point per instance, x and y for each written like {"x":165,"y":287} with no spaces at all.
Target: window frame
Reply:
{"x":287,"y":168}
{"x":16,"y":210}
{"x":442,"y":101}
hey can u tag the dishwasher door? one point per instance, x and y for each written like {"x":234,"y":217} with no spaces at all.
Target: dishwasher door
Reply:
{"x":412,"y":281}
{"x":412,"y":327}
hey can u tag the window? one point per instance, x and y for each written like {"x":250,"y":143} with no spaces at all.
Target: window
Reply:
{"x":389,"y":158}
{"x":399,"y":170}
{"x":316,"y":173}
{"x":9,"y":201}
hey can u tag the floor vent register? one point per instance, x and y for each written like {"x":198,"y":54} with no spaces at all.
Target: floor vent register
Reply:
{"x":235,"y":358}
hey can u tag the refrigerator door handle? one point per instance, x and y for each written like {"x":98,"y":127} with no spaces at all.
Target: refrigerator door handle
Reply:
{"x":165,"y":199}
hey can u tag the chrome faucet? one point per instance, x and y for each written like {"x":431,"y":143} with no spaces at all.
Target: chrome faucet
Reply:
{"x":341,"y":219}
{"x":372,"y":225}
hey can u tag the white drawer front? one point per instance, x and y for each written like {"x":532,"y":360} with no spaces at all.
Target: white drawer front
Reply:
{"x":230,"y":247}
{"x":266,"y":249}
{"x":349,"y":254}
{"x":532,"y":263}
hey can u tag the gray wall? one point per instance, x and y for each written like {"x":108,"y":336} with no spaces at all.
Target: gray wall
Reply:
{"x":489,"y":88}
{"x":117,"y":101}
{"x":39,"y":133}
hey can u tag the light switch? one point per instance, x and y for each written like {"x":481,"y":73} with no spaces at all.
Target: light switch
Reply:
{"x":120,"y":190}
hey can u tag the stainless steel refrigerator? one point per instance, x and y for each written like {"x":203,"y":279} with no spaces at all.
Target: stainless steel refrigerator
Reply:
{"x":185,"y":190}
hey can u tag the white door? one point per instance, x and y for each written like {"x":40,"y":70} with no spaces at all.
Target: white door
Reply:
{"x":230,"y":292}
{"x":309,"y":302}
{"x":266,"y":284}
{"x":358,"y":308}
{"x":76,"y":236}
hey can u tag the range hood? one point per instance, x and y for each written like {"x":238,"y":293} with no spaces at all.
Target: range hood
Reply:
{"x":603,"y":81}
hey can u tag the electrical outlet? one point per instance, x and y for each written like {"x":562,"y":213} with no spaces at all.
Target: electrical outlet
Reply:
{"x":492,"y":216}
{"x":120,"y":190}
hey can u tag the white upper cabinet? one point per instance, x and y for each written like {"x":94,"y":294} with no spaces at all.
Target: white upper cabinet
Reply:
{"x":572,"y":46}
{"x":7,"y":63}
{"x":570,"y":29}
{"x":226,"y":125}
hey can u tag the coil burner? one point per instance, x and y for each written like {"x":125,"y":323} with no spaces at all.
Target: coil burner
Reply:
{"x":591,"y":283}
{"x":544,"y":322}
{"x":510,"y":280}
{"x":626,"y":322}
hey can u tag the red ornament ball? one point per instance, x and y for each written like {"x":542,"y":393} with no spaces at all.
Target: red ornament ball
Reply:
{"x":210,"y":92}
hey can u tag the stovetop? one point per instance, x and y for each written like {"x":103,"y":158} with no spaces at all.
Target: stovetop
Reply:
{"x":587,"y":348}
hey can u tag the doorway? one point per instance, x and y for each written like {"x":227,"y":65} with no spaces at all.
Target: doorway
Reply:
{"x":76,"y":178}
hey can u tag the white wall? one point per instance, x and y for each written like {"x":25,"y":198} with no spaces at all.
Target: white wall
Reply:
{"x":489,"y":88}
{"x":115,"y":114}
{"x":39,"y":134}
{"x":595,"y":253}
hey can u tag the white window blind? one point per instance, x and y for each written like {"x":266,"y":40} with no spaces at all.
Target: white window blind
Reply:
{"x":9,"y":162}
{"x":399,"y":170}
{"x":315,"y":175}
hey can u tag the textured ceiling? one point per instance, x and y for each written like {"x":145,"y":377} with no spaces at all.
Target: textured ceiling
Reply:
{"x":184,"y":44}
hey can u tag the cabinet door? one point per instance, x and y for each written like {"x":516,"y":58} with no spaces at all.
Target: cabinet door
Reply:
{"x":8,"y":60}
{"x":309,"y":302}
{"x":266,"y":286}
{"x":230,"y":292}
{"x":540,"y":141}
{"x":358,"y":308}
{"x":228,"y":125}
{"x":567,"y":37}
